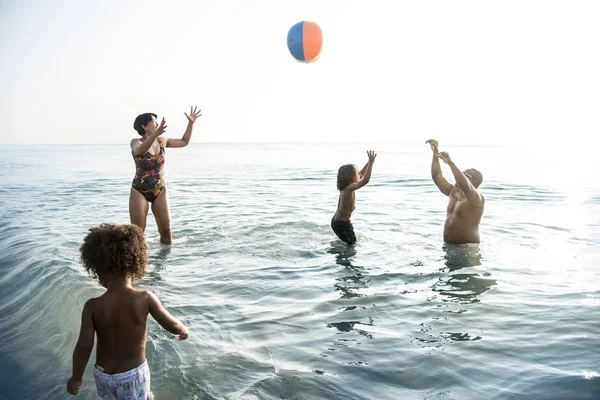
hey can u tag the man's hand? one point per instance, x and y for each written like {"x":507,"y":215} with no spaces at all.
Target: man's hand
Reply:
{"x":445,"y":157}
{"x":73,"y":386}
{"x":194,"y":114}
{"x":434,"y":145}
{"x":371,"y":154}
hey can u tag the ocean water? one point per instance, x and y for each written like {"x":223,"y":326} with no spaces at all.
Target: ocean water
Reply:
{"x":278,"y":308}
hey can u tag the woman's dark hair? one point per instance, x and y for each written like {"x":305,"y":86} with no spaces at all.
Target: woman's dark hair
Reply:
{"x":141,"y":121}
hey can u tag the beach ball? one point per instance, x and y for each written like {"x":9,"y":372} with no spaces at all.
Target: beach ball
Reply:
{"x":305,"y":41}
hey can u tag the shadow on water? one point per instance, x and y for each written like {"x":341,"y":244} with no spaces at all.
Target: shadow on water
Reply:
{"x":11,"y":374}
{"x":158,"y":262}
{"x":42,"y":382}
{"x":462,"y":287}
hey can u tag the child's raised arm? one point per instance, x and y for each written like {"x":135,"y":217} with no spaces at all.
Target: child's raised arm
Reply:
{"x":83,"y":349}
{"x":365,"y":174}
{"x":164,"y":318}
{"x":362,"y":171}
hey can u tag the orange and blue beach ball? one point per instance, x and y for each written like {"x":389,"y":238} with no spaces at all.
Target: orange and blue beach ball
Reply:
{"x":305,"y":41}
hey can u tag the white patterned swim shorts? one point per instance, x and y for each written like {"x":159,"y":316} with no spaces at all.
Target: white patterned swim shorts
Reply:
{"x":130,"y":385}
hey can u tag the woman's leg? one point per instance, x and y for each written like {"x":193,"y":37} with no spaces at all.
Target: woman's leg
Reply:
{"x":138,"y":209}
{"x":162,"y":214}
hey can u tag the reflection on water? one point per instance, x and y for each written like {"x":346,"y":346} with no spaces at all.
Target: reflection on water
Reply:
{"x":460,"y":337}
{"x":349,"y":285}
{"x":458,"y":282}
{"x":343,"y":254}
{"x":458,"y":285}
{"x":348,"y":326}
{"x":462,"y":287}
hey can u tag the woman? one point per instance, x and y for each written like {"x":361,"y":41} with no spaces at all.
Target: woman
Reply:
{"x":148,"y":185}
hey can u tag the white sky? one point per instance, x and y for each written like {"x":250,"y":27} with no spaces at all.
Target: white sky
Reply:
{"x":476,"y":72}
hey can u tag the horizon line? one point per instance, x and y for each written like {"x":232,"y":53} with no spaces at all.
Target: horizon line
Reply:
{"x":253,"y":143}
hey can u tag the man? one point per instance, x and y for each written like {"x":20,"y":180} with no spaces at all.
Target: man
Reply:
{"x":465,"y":206}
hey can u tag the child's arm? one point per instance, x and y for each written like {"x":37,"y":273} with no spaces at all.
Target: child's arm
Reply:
{"x":164,"y":318}
{"x":362,"y":171}
{"x":367,"y":175}
{"x":83,"y":349}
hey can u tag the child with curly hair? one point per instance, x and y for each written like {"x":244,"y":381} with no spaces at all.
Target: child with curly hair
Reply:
{"x":115,"y":255}
{"x":349,"y":180}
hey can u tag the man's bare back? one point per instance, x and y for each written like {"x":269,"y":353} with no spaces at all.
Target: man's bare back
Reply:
{"x":465,"y":204}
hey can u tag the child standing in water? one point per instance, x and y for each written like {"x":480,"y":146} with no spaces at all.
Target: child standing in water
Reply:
{"x":349,"y":179}
{"x":116,"y":254}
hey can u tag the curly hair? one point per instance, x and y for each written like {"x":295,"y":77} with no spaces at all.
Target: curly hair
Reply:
{"x":346,"y":175}
{"x":117,"y":249}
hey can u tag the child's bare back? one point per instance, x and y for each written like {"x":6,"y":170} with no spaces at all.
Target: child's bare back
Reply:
{"x":116,"y":254}
{"x":120,"y":316}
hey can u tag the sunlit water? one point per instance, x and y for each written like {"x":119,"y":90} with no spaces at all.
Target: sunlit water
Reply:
{"x":278,"y":308}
